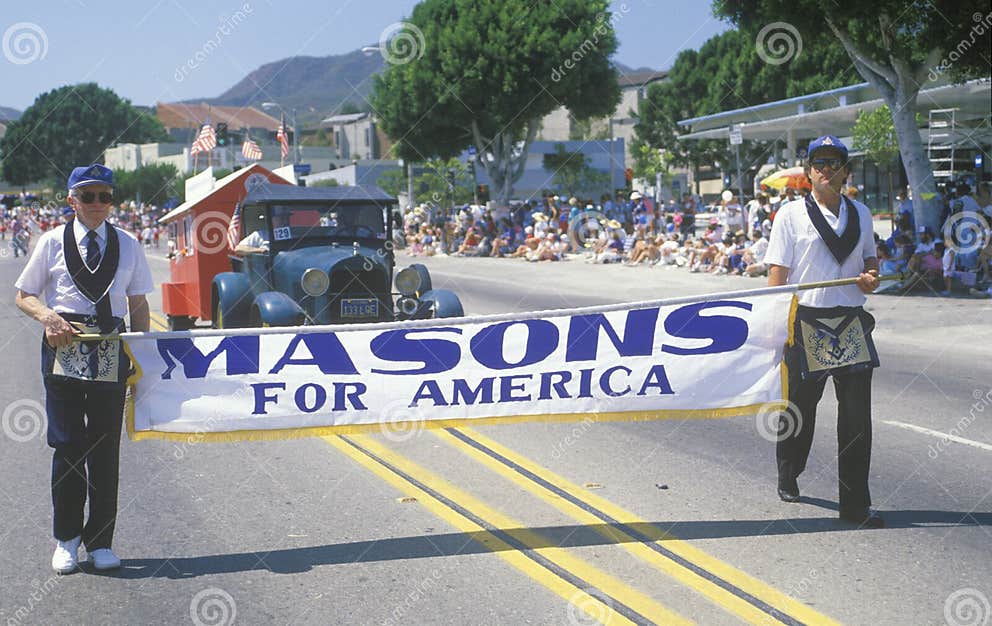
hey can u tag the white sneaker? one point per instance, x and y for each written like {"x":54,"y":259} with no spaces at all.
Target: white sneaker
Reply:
{"x":66,"y":556}
{"x":104,"y":558}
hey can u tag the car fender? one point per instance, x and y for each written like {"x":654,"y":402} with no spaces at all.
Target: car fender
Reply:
{"x":231,"y":297}
{"x":274,"y":308}
{"x":446,"y":302}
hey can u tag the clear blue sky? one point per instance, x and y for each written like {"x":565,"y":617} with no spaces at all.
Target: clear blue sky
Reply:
{"x":137,"y":47}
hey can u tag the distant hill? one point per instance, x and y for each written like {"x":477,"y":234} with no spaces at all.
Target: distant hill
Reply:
{"x":317,"y":86}
{"x":9,"y":114}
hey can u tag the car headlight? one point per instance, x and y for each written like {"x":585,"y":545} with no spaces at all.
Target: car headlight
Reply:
{"x":315,"y":282}
{"x":408,"y":281}
{"x":407,"y":305}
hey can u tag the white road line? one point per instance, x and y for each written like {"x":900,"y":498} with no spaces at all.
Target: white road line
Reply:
{"x":937,"y":433}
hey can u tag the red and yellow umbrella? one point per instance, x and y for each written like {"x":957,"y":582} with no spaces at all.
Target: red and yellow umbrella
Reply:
{"x":793,"y":177}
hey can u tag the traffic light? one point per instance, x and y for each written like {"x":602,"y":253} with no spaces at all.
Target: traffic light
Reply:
{"x":222,"y":136}
{"x":483,"y":193}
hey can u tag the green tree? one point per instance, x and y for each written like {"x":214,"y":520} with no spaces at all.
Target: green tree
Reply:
{"x":445,"y":182}
{"x":875,"y":135}
{"x":153,"y":184}
{"x":393,"y":182}
{"x":728,"y":73}
{"x":898,"y":47}
{"x":484,"y":73}
{"x":572,"y":174}
{"x":68,"y":127}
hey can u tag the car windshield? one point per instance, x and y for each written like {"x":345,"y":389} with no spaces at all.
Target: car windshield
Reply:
{"x":304,"y":221}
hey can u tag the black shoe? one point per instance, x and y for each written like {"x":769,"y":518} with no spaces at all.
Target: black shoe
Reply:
{"x":863,"y":518}
{"x":788,"y":490}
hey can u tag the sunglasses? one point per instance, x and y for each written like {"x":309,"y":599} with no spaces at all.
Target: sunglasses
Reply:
{"x":835,"y":164}
{"x":88,"y":197}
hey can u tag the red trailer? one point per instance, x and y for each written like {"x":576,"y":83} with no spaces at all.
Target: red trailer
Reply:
{"x":197,"y":231}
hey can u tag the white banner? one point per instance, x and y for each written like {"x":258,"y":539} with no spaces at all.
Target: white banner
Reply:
{"x":709,"y":356}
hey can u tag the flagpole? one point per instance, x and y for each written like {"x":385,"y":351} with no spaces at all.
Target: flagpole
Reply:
{"x":847,"y":281}
{"x":604,"y":308}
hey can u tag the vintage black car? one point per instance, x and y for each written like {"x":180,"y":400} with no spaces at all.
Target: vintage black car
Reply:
{"x":329,"y":260}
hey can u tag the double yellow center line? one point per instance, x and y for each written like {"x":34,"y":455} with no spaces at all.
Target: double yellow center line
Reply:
{"x":595,"y":593}
{"x":599,"y":595}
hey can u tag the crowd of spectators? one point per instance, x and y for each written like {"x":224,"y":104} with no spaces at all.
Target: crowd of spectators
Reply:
{"x":726,"y":238}
{"x":24,"y":217}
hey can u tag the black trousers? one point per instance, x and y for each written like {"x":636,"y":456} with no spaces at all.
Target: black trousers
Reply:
{"x":84,"y":428}
{"x":853,"y":431}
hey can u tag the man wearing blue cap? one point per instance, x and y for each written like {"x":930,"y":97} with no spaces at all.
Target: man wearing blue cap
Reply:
{"x":827,"y":236}
{"x":90,"y":274}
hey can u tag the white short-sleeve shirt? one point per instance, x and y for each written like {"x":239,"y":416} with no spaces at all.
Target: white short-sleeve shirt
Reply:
{"x":796,"y":244}
{"x":257,"y":239}
{"x":47,"y":276}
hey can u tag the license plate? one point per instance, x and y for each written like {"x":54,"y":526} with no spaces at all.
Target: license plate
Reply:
{"x":360,"y":307}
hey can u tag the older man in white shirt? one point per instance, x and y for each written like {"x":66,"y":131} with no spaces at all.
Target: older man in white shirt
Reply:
{"x":85,"y":276}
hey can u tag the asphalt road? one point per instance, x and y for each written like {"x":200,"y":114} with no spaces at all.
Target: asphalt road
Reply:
{"x":671,"y":521}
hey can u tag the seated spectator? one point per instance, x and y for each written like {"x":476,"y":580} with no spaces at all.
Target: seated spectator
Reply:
{"x":894,"y":259}
{"x":924,"y":249}
{"x":470,"y":245}
{"x":947,"y":265}
{"x":547,"y":250}
{"x":721,"y":258}
{"x":668,"y":250}
{"x":529,"y":245}
{"x":754,"y":255}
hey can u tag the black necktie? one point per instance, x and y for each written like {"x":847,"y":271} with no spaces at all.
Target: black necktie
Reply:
{"x":92,"y":250}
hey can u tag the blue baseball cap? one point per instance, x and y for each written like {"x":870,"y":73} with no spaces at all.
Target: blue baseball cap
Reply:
{"x":95,"y":174}
{"x":826,"y":141}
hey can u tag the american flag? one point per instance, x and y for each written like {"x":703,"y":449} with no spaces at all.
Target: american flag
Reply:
{"x":234,"y":228}
{"x":206,"y":141}
{"x":283,"y":138}
{"x":250,"y":150}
